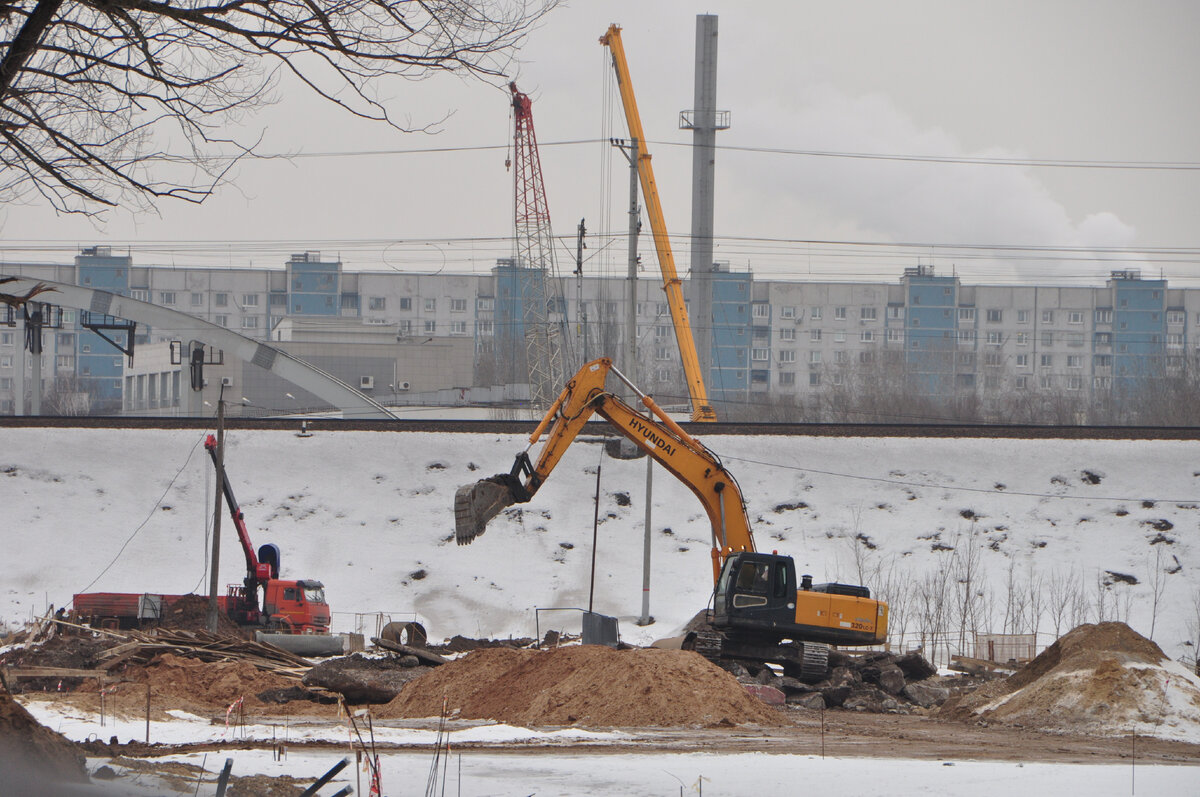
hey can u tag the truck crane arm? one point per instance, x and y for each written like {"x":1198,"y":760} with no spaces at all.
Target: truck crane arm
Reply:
{"x":654,"y":432}
{"x":702,"y":409}
{"x":256,"y":571}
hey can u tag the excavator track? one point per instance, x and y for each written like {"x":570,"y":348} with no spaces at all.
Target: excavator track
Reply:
{"x":814,"y":663}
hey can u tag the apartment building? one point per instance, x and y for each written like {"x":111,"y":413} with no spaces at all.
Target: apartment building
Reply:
{"x":771,"y":339}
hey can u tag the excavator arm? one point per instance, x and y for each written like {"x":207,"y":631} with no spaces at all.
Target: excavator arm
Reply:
{"x":654,"y":432}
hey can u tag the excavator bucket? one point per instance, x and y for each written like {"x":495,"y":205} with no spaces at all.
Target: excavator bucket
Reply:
{"x":476,"y":504}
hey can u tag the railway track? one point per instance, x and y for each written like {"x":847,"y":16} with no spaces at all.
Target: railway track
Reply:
{"x":703,"y":430}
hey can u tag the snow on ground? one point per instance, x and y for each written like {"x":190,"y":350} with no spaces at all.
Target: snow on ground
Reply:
{"x":477,"y":773}
{"x":370,"y":514}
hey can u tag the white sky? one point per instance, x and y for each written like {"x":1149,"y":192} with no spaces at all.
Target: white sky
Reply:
{"x":1105,"y":81}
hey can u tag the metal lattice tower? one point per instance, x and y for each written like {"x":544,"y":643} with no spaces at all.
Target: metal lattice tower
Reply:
{"x":540,"y":295}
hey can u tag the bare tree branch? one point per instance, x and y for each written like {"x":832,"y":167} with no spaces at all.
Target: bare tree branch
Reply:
{"x":111,"y":102}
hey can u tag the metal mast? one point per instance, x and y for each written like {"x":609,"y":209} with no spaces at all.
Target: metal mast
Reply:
{"x":540,"y":299}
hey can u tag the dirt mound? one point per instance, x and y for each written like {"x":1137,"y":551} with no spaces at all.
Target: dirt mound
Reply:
{"x":1102,"y":679}
{"x":32,"y":755}
{"x":191,"y":684}
{"x":589,"y":685}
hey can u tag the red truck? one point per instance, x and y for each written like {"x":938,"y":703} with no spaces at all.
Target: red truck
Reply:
{"x":262,"y":601}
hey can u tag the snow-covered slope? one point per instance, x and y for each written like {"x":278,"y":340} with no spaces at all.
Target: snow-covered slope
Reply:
{"x":1053,"y":528}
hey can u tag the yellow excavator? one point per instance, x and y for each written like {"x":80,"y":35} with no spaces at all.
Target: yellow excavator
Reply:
{"x":761,"y":610}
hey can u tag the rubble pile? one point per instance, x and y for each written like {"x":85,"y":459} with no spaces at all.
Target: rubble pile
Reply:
{"x":362,"y":679}
{"x":588,"y":685}
{"x":1101,"y":679}
{"x":878,"y":682}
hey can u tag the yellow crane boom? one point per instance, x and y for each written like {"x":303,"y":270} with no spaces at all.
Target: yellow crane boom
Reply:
{"x":701,"y":408}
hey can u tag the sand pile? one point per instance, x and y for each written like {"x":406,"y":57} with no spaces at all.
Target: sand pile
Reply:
{"x":1103,"y":679}
{"x":190,"y":613}
{"x":31,"y":755}
{"x":588,"y":685}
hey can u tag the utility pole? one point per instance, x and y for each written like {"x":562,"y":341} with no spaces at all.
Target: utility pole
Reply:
{"x":215,"y":572}
{"x":704,"y":121}
{"x":580,"y":312}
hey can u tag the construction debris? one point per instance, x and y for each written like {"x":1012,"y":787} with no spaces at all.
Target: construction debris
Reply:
{"x":31,"y":755}
{"x":360,"y":679}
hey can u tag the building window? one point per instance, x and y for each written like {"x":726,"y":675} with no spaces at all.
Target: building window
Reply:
{"x":814,"y":379}
{"x":430,"y":305}
{"x":1046,"y":382}
{"x":458,"y":327}
{"x":814,"y":357}
{"x":815,"y":314}
{"x":995,"y":338}
{"x":483,"y":327}
{"x":1022,"y":317}
{"x":1102,"y":383}
{"x":249,"y":300}
{"x":787,"y":379}
{"x":485,"y":304}
{"x":65,"y":340}
{"x":197,"y":299}
{"x":993,"y":359}
{"x":220,"y":299}
{"x":995,"y":316}
{"x":1174,"y":341}
{"x":760,"y":355}
{"x":1022,"y":360}
{"x":867,"y":314}
{"x":1074,"y":360}
{"x":1047,"y":316}
{"x":221,"y":320}
{"x":787,"y":312}
{"x":662,"y":332}
{"x":166,"y":298}
{"x":1046,"y":360}
{"x":377,"y":303}
{"x":1176,"y":316}
{"x":866,"y":357}
{"x":814,"y":335}
{"x":279,"y":300}
{"x":895,"y":336}
{"x":1075,"y":317}
{"x":662,"y":352}
{"x":760,"y":310}
{"x":1047,"y":338}
{"x":249,"y":322}
{"x":1102,"y":361}
{"x":840,"y":356}
{"x":967,"y":336}
{"x":1104,"y":316}
{"x":787,"y":356}
{"x":6,"y":361}
{"x":7,"y":338}
{"x":839,"y":336}
{"x":895,"y":312}
{"x":1021,"y":382}
{"x":839,"y":313}
{"x":458,"y":305}
{"x":966,"y":314}
{"x":787,"y":333}
{"x":430,"y":327}
{"x":867,"y":336}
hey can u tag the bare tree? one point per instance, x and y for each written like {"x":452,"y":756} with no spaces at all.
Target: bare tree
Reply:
{"x":1157,"y":581}
{"x":106,"y":102}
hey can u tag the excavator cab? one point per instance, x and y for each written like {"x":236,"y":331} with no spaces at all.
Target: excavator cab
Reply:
{"x":755,"y":592}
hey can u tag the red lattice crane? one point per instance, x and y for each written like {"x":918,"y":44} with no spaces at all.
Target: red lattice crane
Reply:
{"x":535,"y":257}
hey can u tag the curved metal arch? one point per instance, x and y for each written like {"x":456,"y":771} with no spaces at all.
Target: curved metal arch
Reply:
{"x":352,"y":403}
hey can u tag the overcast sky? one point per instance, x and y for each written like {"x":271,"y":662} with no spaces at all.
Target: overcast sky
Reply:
{"x":1059,"y":81}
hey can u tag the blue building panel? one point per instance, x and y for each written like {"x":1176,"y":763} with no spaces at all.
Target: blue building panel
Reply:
{"x":314,"y":286}
{"x":730,"y":373}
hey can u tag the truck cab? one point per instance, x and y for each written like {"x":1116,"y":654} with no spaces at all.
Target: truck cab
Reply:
{"x":296,"y":606}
